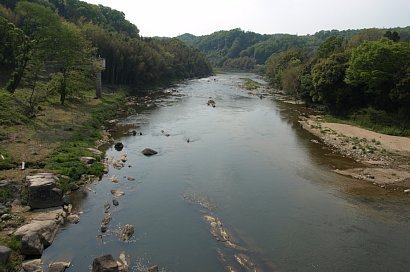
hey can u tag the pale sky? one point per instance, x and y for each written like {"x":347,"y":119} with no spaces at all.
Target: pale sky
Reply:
{"x":171,"y":18}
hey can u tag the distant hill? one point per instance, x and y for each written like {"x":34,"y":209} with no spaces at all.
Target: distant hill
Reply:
{"x":237,"y":46}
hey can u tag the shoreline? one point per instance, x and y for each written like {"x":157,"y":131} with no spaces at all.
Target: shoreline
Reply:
{"x":21,"y":215}
{"x":385,"y":158}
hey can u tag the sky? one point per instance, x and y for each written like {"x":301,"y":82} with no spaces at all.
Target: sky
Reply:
{"x":170,"y":18}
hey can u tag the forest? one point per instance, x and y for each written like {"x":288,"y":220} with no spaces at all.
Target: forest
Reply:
{"x":55,"y":45}
{"x":365,"y":78}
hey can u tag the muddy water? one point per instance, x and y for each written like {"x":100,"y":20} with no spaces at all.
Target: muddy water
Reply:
{"x":270,"y":185}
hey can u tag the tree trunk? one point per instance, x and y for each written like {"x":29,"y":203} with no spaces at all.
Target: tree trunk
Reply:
{"x":63,"y":87}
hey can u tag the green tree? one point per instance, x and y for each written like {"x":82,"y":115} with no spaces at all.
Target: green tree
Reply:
{"x":328,"y":76}
{"x":378,"y":68}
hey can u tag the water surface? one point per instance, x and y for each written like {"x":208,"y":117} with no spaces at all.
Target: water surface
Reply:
{"x":272,"y":187}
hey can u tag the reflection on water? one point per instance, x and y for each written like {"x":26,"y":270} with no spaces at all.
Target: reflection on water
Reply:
{"x":271,"y":186}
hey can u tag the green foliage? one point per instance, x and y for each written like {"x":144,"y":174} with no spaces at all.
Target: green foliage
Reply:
{"x":6,"y":193}
{"x":66,"y":161}
{"x":240,"y":64}
{"x":13,"y":243}
{"x":250,"y":84}
{"x":11,"y":110}
{"x":15,"y":260}
{"x":330,"y":46}
{"x":380,"y":68}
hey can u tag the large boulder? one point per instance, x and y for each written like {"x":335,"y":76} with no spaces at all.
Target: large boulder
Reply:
{"x":42,"y":191}
{"x":46,"y":229}
{"x":105,"y":263}
{"x":153,"y":269}
{"x":5,"y":253}
{"x":58,"y":267}
{"x":32,"y":266}
{"x":31,"y":244}
{"x":149,"y":152}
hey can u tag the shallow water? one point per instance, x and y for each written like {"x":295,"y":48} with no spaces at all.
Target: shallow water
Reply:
{"x":272,"y":188}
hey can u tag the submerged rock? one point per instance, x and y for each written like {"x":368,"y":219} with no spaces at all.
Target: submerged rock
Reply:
{"x":149,"y":152}
{"x":119,"y":146}
{"x":73,"y":219}
{"x":58,"y":267}
{"x":105,"y":263}
{"x":126,"y":232}
{"x":107,"y":206}
{"x":106,"y":220}
{"x":115,"y":202}
{"x":153,"y":269}
{"x":117,"y":192}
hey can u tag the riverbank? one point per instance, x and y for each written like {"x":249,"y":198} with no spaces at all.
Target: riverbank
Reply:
{"x":55,"y":141}
{"x":386,"y":158}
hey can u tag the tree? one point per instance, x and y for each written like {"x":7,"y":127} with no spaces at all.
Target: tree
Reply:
{"x":377,"y":67}
{"x":329,"y":87}
{"x":394,"y":36}
{"x":73,"y":54}
{"x":330,"y":46}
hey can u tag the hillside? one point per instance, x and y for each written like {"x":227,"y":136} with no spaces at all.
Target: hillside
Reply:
{"x":235,"y":48}
{"x":130,"y":59}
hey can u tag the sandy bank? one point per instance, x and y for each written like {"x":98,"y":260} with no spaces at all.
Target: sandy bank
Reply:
{"x":387,"y":158}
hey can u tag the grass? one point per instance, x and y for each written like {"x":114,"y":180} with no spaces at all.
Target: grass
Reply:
{"x":65,"y":160}
{"x":250,"y":84}
{"x":385,"y":125}
{"x":6,"y":160}
{"x":58,"y":135}
{"x":6,"y":194}
{"x":11,"y":110}
{"x":15,"y":260}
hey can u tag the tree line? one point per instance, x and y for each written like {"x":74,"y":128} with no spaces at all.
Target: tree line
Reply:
{"x":365,"y":76}
{"x":54,"y":45}
{"x":237,"y":49}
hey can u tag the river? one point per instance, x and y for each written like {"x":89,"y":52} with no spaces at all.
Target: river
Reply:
{"x":270,"y":185}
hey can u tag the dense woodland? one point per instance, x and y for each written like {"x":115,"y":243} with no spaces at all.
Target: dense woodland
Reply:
{"x":238,"y":49}
{"x":54,"y":45}
{"x":364,"y":78}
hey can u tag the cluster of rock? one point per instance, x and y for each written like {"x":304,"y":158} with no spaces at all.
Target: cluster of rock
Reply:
{"x":140,"y":102}
{"x":211,"y":103}
{"x":49,"y":214}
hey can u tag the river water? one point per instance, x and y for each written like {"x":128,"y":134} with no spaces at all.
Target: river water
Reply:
{"x":268,"y":183}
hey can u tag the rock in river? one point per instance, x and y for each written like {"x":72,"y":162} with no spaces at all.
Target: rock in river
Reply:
{"x":117,"y":192}
{"x":58,"y":267}
{"x":149,"y":152}
{"x":118,"y":146}
{"x":32,"y":266}
{"x":126,"y":232}
{"x":105,"y":263}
